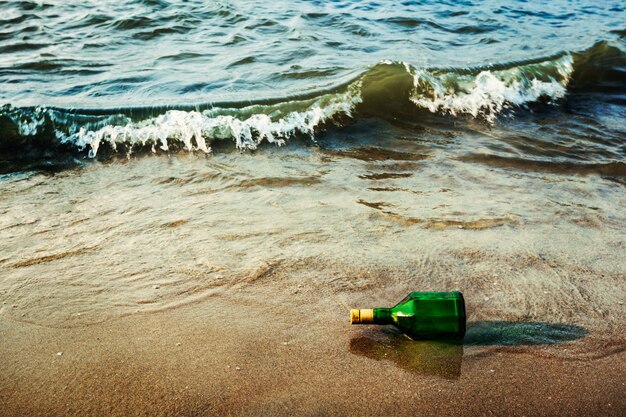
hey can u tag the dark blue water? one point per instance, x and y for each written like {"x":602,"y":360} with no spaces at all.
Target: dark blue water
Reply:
{"x":164,"y":75}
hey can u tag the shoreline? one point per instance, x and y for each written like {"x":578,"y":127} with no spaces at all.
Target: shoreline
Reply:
{"x":190,"y":286}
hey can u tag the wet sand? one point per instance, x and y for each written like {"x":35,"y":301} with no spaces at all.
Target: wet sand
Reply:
{"x":225,"y":356}
{"x":192,"y":286}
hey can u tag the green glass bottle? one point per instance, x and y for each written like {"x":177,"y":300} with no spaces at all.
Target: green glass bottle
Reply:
{"x":420,"y":315}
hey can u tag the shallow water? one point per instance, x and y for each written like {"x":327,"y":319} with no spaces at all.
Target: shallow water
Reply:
{"x":430,"y":146}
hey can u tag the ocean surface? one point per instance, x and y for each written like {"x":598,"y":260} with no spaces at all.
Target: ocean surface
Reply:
{"x":154,"y":153}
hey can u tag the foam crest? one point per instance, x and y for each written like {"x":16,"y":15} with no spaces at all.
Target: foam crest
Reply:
{"x":195,"y":130}
{"x":490,"y":91}
{"x":388,"y":89}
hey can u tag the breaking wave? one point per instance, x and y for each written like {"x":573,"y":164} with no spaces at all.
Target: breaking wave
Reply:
{"x":490,"y":91}
{"x":385,"y":89}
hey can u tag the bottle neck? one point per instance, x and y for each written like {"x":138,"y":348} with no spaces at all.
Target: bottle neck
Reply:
{"x":371,"y":316}
{"x":382,"y":316}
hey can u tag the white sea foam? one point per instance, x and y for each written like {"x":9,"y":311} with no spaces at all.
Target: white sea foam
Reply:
{"x":488,"y":93}
{"x":477,"y":93}
{"x":195,"y":130}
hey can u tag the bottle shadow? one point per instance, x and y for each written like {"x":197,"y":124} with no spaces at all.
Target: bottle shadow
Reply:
{"x":510,"y":333}
{"x":444,"y":358}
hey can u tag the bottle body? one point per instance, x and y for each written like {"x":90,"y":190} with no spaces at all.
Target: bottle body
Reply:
{"x":421,"y":315}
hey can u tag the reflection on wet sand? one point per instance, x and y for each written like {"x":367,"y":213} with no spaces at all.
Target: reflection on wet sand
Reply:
{"x":435,"y":358}
{"x":444,"y":358}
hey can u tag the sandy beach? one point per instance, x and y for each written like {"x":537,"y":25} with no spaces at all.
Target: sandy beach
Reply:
{"x":263,"y":359}
{"x":118,"y":305}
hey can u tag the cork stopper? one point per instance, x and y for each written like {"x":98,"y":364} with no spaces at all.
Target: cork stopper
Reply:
{"x":361,"y":316}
